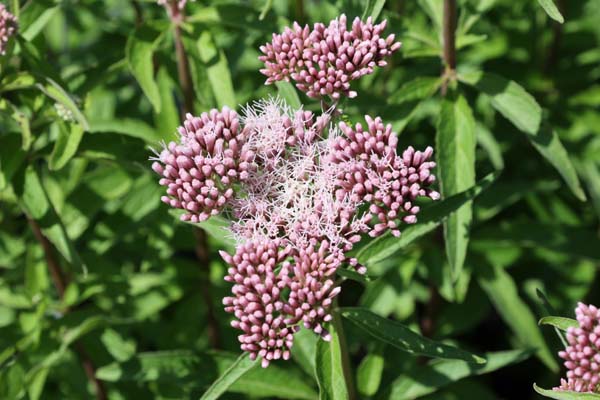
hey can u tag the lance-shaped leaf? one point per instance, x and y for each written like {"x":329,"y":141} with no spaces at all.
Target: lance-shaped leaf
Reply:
{"x":502,"y":291}
{"x":329,"y":369}
{"x":53,"y":90}
{"x":565,"y":395}
{"x":239,"y":367}
{"x":67,"y":143}
{"x":561,"y":323}
{"x":438,"y":374}
{"x":373,"y":9}
{"x":217,"y":69}
{"x":551,"y":10}
{"x":139,"y":50}
{"x":288,"y":92}
{"x":430,"y":218}
{"x":33,"y":199}
{"x":455,"y":144}
{"x":523,"y":111}
{"x":402,"y":337}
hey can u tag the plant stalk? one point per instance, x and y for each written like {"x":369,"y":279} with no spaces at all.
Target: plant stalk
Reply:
{"x":60,"y":283}
{"x":449,"y":43}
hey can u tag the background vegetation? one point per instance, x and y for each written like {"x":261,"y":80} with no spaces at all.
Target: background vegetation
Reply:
{"x":103,"y":292}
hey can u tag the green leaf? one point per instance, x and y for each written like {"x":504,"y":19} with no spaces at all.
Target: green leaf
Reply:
{"x":217,"y":68}
{"x":85,"y":327}
{"x":67,"y":143}
{"x":53,"y":90}
{"x":167,"y":120}
{"x":502,"y":291}
{"x":266,"y":8}
{"x":141,"y":45}
{"x":121,"y":349}
{"x":126,"y":126}
{"x":303,"y":351}
{"x":34,"y":201}
{"x":561,"y":323}
{"x":329,"y":368}
{"x":11,"y":158}
{"x":288,"y":92}
{"x":430,"y":217}
{"x":349,"y":273}
{"x":373,"y":9}
{"x":36,"y":383}
{"x":403,"y":338}
{"x":455,"y":143}
{"x":509,"y":98}
{"x":368,"y":375}
{"x":274,"y":382}
{"x":427,"y":379}
{"x":548,"y":144}
{"x":241,"y":366}
{"x":565,"y":395}
{"x":23,"y":121}
{"x":35,"y":16}
{"x":235,"y":15}
{"x":488,"y":142}
{"x":520,"y":108}
{"x":591,"y":175}
{"x":154,"y":366}
{"x":581,"y":243}
{"x":418,"y":89}
{"x":551,"y":10}
{"x":198,"y":370}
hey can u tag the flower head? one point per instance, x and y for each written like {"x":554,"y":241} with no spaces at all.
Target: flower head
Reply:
{"x":257,"y":302}
{"x":582,"y":355}
{"x":200,"y":171}
{"x":323,"y":61}
{"x":312,"y":288}
{"x":8,"y":27}
{"x":372,"y":171}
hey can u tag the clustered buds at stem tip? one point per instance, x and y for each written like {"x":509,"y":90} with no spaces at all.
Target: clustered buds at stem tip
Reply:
{"x":582,"y":355}
{"x":299,"y":189}
{"x":323,"y":61}
{"x":8,"y":28}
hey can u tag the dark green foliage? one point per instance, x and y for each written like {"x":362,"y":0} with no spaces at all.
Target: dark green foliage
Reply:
{"x":96,"y":271}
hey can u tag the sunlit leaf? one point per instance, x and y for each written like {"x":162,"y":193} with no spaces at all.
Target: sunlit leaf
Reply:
{"x":565,"y":395}
{"x":141,"y":45}
{"x":502,"y":291}
{"x":551,"y":10}
{"x":455,"y":143}
{"x":400,"y":336}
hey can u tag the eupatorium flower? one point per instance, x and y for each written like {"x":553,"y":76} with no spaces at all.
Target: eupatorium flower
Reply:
{"x":300,"y":192}
{"x":582,"y":355}
{"x":8,"y":27}
{"x":373,"y":172}
{"x":323,"y":61}
{"x":201,"y":169}
{"x":257,"y":301}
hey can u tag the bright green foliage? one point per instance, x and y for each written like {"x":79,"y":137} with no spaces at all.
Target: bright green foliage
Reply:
{"x":96,"y":271}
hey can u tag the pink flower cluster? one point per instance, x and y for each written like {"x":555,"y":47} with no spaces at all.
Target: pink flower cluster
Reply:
{"x":582,"y":355}
{"x":299,"y":189}
{"x":300,"y":192}
{"x":200,"y":171}
{"x":373,"y":172}
{"x":8,"y":27}
{"x":325,"y":60}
